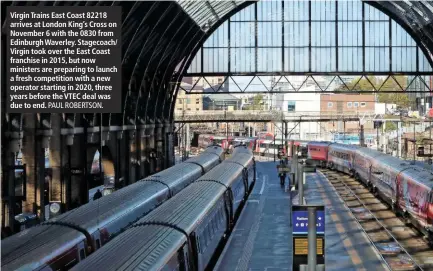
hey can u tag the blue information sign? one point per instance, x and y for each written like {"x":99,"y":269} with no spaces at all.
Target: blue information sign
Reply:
{"x":300,"y":222}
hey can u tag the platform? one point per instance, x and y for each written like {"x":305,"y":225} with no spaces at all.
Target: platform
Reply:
{"x":262,"y":238}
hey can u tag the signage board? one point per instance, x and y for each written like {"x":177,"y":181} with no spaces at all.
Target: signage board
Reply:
{"x":300,"y":235}
{"x":300,"y":246}
{"x":300,"y":222}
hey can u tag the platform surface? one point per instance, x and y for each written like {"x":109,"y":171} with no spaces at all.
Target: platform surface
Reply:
{"x":262,"y":238}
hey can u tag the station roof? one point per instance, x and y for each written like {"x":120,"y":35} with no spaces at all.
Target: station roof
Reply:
{"x":160,"y":39}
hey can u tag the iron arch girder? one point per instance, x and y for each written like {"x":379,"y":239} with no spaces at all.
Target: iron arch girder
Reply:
{"x":166,"y":62}
{"x":139,"y":68}
{"x":127,"y":9}
{"x":376,"y":4}
{"x":196,"y":47}
{"x":164,"y":42}
{"x":155,"y":59}
{"x":206,"y":35}
{"x":174,"y":62}
{"x":172,"y":88}
{"x":410,"y":17}
{"x":391,"y":11}
{"x":129,"y":83}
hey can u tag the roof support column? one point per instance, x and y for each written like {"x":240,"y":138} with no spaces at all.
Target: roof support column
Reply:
{"x":150,"y":148}
{"x":34,"y":158}
{"x":159,"y":146}
{"x":169,"y":145}
{"x":55,"y":158}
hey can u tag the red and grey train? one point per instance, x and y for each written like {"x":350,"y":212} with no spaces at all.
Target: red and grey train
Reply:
{"x":406,"y":187}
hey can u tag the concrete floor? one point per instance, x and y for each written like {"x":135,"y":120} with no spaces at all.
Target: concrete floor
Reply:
{"x":262,"y":238}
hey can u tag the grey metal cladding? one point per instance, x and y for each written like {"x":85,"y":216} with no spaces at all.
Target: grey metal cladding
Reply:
{"x":143,"y":247}
{"x":244,"y":159}
{"x":206,"y":160}
{"x":225,"y":173}
{"x":40,"y":247}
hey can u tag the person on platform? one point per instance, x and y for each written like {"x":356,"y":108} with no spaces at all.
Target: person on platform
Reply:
{"x":97,"y":195}
{"x":282,"y":174}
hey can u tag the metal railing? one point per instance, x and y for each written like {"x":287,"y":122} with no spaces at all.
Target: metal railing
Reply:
{"x":266,"y":115}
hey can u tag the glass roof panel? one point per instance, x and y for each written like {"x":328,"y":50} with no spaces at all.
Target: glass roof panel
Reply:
{"x":207,"y":13}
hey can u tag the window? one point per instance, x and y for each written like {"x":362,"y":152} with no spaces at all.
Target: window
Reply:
{"x":196,"y":109}
{"x":197,"y":101}
{"x":180,"y":101}
{"x":291,"y":106}
{"x":82,"y":254}
{"x":355,"y":104}
{"x":189,"y":109}
{"x":330,"y":104}
{"x":363,"y":104}
{"x":188,"y":100}
{"x":180,"y":109}
{"x":349,"y":104}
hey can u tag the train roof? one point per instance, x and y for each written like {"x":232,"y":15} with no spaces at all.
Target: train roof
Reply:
{"x":34,"y":245}
{"x":344,"y":146}
{"x":319,"y":143}
{"x":420,"y":175}
{"x":369,"y":152}
{"x":185,"y":210}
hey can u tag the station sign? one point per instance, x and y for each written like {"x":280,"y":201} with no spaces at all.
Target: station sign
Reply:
{"x":300,"y":222}
{"x":300,"y":235}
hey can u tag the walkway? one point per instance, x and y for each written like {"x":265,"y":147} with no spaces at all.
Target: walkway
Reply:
{"x":262,"y":237}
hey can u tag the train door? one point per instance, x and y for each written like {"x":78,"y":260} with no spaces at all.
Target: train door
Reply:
{"x":97,"y":238}
{"x":81,"y":251}
{"x":429,"y":208}
{"x":399,"y":191}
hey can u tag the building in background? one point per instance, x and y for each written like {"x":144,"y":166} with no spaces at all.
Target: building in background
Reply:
{"x":189,"y":102}
{"x":345,"y":105}
{"x":419,"y":94}
{"x":211,"y":84}
{"x":221,"y":102}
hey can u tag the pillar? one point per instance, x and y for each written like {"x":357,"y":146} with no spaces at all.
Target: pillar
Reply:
{"x":399,"y":139}
{"x":12,"y":145}
{"x":169,"y":145}
{"x":159,"y":146}
{"x":361,"y":136}
{"x":33,"y":151}
{"x":132,"y":157}
{"x":118,"y":183}
{"x":140,"y":169}
{"x":75,"y":180}
{"x":150,"y":145}
{"x":55,"y":158}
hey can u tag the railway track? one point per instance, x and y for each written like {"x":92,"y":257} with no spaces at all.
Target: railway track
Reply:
{"x":401,"y":246}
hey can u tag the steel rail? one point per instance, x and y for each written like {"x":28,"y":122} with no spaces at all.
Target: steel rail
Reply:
{"x":417,"y":265}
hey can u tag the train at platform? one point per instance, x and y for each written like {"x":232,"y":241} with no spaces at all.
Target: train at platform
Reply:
{"x":186,"y":231}
{"x":62,"y":242}
{"x":404,"y":186}
{"x":264,"y":144}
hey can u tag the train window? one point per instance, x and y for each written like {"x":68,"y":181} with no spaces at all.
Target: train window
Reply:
{"x":198,"y":244}
{"x":82,"y":254}
{"x":98,"y":244}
